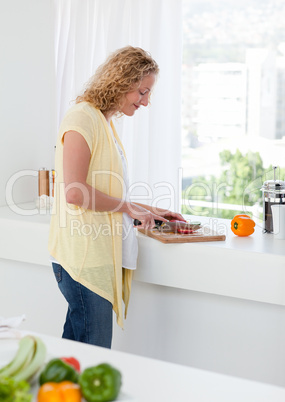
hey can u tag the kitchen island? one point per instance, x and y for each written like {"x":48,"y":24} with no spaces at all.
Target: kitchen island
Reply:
{"x":145,"y":379}
{"x":218,"y":306}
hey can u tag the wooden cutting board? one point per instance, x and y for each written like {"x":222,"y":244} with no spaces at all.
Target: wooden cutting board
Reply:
{"x":201,"y":235}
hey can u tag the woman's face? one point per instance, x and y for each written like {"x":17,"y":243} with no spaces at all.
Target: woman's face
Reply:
{"x":139,"y":97}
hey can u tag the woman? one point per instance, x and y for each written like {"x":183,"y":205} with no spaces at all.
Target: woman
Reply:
{"x":92,"y":240}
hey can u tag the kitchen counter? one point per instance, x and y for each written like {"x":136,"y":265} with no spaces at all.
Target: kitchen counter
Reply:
{"x":217,"y":306}
{"x":251,"y":268}
{"x":145,"y":379}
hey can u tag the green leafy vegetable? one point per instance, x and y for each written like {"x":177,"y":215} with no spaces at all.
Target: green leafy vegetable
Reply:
{"x":14,"y":391}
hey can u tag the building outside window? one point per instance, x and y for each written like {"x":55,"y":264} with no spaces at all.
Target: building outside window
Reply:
{"x":233,"y":104}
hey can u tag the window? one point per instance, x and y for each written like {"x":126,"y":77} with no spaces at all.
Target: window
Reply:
{"x":233,"y":104}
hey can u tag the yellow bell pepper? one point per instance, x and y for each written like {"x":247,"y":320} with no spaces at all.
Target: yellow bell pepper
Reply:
{"x":242,"y":225}
{"x":65,"y":391}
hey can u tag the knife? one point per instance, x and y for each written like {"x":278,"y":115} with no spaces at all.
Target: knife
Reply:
{"x":174,"y":226}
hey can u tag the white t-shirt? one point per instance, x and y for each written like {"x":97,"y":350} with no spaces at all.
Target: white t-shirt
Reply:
{"x":130,"y":242}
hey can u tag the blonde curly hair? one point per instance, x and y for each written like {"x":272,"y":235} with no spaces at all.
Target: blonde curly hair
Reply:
{"x":116,"y":77}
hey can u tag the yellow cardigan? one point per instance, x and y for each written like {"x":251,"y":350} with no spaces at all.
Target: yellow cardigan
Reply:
{"x":86,"y":243}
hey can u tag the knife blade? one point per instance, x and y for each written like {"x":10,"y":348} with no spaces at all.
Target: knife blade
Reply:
{"x":174,"y":226}
{"x":177,"y":226}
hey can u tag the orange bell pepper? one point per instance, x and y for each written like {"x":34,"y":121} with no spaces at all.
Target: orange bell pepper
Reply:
{"x":65,"y":391}
{"x":242,"y":225}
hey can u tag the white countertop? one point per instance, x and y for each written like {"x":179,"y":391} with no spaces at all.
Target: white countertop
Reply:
{"x":258,"y":242}
{"x":145,"y":379}
{"x":251,"y":268}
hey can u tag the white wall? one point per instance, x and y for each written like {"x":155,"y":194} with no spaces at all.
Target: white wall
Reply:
{"x":27,"y":93}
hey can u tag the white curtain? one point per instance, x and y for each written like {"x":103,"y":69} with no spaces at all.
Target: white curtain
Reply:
{"x":86,"y":31}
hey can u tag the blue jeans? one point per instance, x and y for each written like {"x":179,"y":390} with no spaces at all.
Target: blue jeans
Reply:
{"x":89,"y":317}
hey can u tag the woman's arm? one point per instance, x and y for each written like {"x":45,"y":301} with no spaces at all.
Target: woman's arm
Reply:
{"x":76,"y":159}
{"x":165,"y":213}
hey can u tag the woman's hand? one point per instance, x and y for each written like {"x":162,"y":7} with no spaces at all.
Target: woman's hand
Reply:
{"x":172,"y":216}
{"x":145,"y":216}
{"x":162,"y":214}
